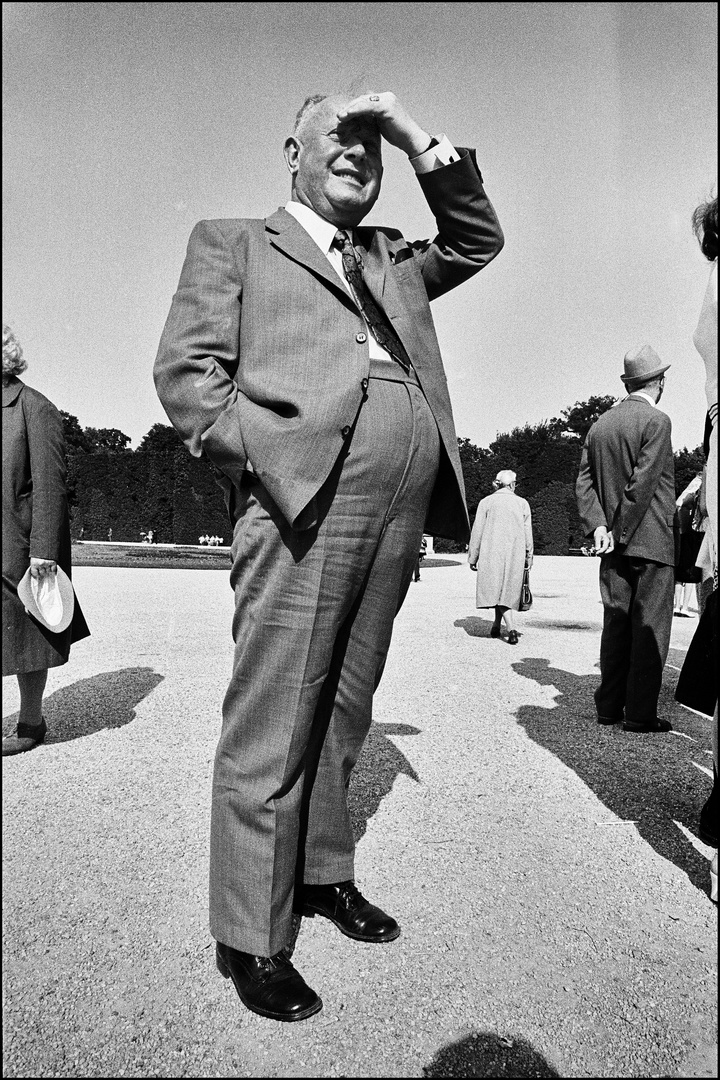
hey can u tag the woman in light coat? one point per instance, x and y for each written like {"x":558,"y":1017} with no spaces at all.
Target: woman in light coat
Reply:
{"x":501,"y":545}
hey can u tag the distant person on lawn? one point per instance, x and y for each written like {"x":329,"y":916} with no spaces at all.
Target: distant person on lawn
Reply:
{"x":35,"y":534}
{"x":501,"y":545}
{"x":626,"y":499}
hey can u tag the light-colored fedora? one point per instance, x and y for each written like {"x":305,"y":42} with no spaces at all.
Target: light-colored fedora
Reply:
{"x":643,"y":363}
{"x":49,"y":599}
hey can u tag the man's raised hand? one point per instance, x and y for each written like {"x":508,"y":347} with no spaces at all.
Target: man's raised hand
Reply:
{"x":394,"y":123}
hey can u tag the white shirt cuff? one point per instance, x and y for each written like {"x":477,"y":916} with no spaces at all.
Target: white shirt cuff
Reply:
{"x":436,"y":157}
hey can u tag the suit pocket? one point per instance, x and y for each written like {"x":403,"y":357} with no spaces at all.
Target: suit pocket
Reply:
{"x":223,"y":444}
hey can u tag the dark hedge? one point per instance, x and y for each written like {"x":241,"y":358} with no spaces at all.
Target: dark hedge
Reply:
{"x":173,"y":494}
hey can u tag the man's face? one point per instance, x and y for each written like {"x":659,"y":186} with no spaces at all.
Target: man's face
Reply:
{"x":337,"y":167}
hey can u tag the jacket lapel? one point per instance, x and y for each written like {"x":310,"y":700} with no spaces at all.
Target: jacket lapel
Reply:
{"x":286,"y":233}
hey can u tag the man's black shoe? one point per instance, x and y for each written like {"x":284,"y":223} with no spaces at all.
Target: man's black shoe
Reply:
{"x":653,"y":725}
{"x":268,"y":985}
{"x":353,"y":915}
{"x":608,"y":719}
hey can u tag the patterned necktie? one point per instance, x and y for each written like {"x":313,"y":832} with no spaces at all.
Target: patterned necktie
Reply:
{"x":375,"y":317}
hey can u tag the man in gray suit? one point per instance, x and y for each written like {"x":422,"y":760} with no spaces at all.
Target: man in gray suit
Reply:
{"x":626,"y":498}
{"x":300,"y":357}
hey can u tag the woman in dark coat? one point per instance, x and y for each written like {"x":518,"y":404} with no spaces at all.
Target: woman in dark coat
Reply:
{"x":35,"y":533}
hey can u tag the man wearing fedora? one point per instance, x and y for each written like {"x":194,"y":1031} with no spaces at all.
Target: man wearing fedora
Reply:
{"x":626,"y":498}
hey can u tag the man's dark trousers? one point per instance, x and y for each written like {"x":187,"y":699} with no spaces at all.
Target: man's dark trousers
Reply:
{"x":313,"y":619}
{"x":637,"y":595}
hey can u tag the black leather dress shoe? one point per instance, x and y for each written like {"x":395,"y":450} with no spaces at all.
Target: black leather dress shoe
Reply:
{"x":25,"y":737}
{"x":268,"y":985}
{"x":608,"y":719}
{"x":353,"y":915}
{"x":652,"y":725}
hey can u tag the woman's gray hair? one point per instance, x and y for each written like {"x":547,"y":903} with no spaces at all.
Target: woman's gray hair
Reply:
{"x":13,"y":362}
{"x":504,"y":478}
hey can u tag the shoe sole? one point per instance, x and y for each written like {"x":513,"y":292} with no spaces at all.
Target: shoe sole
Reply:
{"x":310,"y":913}
{"x":283,"y":1017}
{"x":609,"y":720}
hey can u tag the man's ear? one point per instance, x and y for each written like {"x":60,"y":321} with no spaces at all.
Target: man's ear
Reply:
{"x":291,"y":150}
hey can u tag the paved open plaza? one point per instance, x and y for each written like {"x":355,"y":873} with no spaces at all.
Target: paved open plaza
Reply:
{"x":552,"y":893}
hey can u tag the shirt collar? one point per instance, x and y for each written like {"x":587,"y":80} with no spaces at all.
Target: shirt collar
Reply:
{"x":642,"y":394}
{"x":320,"y":230}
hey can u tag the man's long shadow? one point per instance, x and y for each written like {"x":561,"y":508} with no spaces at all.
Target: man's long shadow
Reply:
{"x":484,"y":1053}
{"x":649,"y":779}
{"x":107,"y":700}
{"x":378,"y":765}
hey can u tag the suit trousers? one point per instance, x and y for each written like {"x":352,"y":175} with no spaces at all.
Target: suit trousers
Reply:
{"x":638,"y":599}
{"x":314,"y":611}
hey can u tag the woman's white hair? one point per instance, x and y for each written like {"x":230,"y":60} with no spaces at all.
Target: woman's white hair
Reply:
{"x":13,"y":362}
{"x":504,"y":478}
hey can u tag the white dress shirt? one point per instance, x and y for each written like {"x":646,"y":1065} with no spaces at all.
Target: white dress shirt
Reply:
{"x":323,"y":232}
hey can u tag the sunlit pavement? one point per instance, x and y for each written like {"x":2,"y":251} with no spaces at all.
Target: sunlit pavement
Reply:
{"x":546,"y":871}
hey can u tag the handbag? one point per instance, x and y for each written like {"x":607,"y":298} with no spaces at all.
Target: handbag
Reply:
{"x":526,"y":597}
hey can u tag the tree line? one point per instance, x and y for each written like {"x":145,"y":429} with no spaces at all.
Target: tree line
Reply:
{"x":160,"y":486}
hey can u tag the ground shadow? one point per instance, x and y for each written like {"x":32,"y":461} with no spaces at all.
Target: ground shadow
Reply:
{"x":648,"y":779}
{"x":477,"y":627}
{"x":559,"y":624}
{"x":429,"y":563}
{"x":487,"y":1054}
{"x":379,"y":764}
{"x":90,"y":705}
{"x":474,"y":626}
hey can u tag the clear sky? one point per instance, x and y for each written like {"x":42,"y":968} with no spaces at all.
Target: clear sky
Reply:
{"x":595,"y":127}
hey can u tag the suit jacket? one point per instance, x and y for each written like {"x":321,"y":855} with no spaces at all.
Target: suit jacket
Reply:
{"x":264,"y":357}
{"x":627,"y":480}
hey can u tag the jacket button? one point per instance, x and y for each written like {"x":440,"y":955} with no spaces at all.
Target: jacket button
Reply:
{"x":345,"y":431}
{"x":364,"y":384}
{"x":361,"y":338}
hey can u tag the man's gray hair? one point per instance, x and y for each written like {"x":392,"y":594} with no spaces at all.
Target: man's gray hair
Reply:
{"x":353,"y":89}
{"x":307,"y":106}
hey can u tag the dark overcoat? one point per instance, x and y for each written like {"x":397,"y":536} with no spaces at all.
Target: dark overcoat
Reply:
{"x":627,"y":480}
{"x":35,"y":521}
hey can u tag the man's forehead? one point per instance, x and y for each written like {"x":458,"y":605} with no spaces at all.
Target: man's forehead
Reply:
{"x":329,"y":107}
{"x":325,"y":114}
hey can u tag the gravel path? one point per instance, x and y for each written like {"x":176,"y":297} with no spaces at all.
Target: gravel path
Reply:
{"x":552,"y":895}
